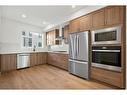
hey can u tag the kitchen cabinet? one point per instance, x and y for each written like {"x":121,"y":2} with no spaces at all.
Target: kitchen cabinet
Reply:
{"x":0,"y":64}
{"x":33,"y":59}
{"x":85,"y":22}
{"x":98,"y":18}
{"x":114,"y":15}
{"x":8,"y":62}
{"x":81,"y":24}
{"x":51,"y":37}
{"x":110,"y":77}
{"x":58,"y":59}
{"x":66,"y":31}
{"x":74,"y":25}
{"x":48,"y":38}
{"x":107,"y":17}
{"x":38,"y":58}
{"x":42,"y":57}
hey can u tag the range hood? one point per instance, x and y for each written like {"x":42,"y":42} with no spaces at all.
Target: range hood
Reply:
{"x":59,"y":38}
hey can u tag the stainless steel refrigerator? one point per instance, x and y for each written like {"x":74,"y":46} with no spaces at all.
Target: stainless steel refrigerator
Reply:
{"x":79,"y":54}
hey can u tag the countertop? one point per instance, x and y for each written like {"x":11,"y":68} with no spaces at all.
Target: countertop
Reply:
{"x":61,"y":52}
{"x":22,"y":52}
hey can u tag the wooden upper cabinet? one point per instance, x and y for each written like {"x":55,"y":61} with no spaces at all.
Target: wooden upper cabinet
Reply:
{"x":105,"y":17}
{"x":48,"y":38}
{"x":74,"y":25}
{"x":113,"y":15}
{"x":85,"y":22}
{"x":66,"y":31}
{"x":51,"y":36}
{"x":98,"y":19}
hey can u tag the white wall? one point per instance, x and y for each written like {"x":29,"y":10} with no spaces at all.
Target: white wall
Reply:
{"x":0,"y":20}
{"x":10,"y":39}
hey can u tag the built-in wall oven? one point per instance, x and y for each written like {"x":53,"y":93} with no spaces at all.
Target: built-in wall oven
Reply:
{"x":107,"y":57}
{"x":110,"y":35}
{"x":106,"y":49}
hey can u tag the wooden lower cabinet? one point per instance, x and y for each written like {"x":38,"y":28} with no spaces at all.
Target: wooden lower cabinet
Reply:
{"x":110,"y":77}
{"x":38,"y":58}
{"x":8,"y":62}
{"x":33,"y":59}
{"x":58,"y":60}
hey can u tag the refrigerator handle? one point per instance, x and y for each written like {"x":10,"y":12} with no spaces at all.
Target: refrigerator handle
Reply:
{"x":71,"y":47}
{"x":75,"y":48}
{"x":77,"y":44}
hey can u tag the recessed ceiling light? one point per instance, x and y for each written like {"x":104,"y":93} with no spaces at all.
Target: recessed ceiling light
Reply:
{"x":24,"y":16}
{"x":73,"y":6}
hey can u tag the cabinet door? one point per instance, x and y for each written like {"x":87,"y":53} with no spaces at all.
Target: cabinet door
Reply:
{"x":98,"y":19}
{"x":58,"y":60}
{"x":8,"y":62}
{"x":85,"y":22}
{"x":38,"y":58}
{"x":5,"y":61}
{"x":110,"y":77}
{"x":33,"y":59}
{"x":113,"y":15}
{"x":53,"y":37}
{"x":13,"y":62}
{"x":41,"y":58}
{"x":47,"y":38}
{"x":56,"y":34}
{"x":74,"y":26}
{"x":50,"y":38}
{"x":66,"y":31}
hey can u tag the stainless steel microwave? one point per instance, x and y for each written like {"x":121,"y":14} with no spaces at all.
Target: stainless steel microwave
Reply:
{"x":110,"y":35}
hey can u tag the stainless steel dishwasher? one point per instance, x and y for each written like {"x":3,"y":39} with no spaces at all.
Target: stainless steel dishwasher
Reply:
{"x":23,"y":60}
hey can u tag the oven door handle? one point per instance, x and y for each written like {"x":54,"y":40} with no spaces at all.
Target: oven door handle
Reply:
{"x":107,"y":50}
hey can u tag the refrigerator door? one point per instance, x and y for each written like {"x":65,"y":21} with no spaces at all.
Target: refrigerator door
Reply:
{"x":79,"y":68}
{"x":82,"y":46}
{"x":72,"y":46}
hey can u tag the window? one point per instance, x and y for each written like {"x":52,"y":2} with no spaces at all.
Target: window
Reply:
{"x":30,"y":42}
{"x":31,"y":39}
{"x":39,"y":40}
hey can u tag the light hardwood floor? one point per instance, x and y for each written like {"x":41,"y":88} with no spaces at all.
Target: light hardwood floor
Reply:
{"x":46,"y":77}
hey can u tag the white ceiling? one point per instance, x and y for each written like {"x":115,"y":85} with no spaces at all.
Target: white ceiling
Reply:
{"x":37,"y":14}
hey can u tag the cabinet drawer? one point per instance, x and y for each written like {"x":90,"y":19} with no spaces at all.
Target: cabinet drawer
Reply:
{"x":110,"y":77}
